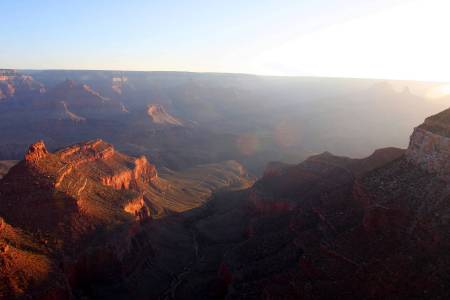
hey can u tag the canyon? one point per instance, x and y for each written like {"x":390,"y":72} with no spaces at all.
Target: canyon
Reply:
{"x":150,"y":185}
{"x":355,"y":228}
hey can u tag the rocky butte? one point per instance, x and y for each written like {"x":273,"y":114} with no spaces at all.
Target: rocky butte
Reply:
{"x":82,"y":215}
{"x":159,"y":115}
{"x":69,"y":187}
{"x":36,"y":152}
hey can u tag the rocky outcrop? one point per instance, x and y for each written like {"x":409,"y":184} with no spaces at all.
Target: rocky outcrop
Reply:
{"x":430,"y":151}
{"x":159,"y":115}
{"x":121,"y":180}
{"x":135,"y":205}
{"x":36,"y":151}
{"x":70,"y":115}
{"x":143,"y":172}
{"x":85,"y":152}
{"x":429,"y":145}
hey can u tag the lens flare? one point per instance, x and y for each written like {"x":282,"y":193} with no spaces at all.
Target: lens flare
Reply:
{"x":248,"y":144}
{"x":439,"y":91}
{"x":287,"y":134}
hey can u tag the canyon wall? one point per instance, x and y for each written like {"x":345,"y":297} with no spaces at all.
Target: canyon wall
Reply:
{"x":430,"y":151}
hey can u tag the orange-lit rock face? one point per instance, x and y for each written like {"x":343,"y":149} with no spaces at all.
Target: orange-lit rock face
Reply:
{"x":143,"y":172}
{"x":119,"y":181}
{"x":90,"y":151}
{"x":114,"y":169}
{"x":137,"y":208}
{"x":135,"y":205}
{"x":36,"y":152}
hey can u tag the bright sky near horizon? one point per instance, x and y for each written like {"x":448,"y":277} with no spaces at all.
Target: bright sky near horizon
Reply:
{"x":393,"y":39}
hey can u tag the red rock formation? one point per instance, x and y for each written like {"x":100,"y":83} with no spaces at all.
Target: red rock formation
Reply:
{"x":36,"y":151}
{"x":87,"y":152}
{"x":89,"y":177}
{"x":143,"y":172}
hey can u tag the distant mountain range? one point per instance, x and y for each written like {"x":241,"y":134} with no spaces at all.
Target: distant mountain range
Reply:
{"x":252,"y":119}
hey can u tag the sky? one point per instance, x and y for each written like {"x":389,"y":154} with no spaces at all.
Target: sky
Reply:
{"x":391,"y":39}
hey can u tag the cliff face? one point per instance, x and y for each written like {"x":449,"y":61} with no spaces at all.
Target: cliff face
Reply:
{"x":429,"y":145}
{"x":141,"y":173}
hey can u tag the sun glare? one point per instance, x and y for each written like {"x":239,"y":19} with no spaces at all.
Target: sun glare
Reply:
{"x":438,"y":92}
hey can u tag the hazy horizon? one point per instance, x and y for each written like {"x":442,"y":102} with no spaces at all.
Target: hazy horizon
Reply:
{"x":227,"y":73}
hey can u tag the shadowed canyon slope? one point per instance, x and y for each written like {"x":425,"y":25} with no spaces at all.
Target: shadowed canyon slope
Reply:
{"x":5,"y":166}
{"x":370,"y":228}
